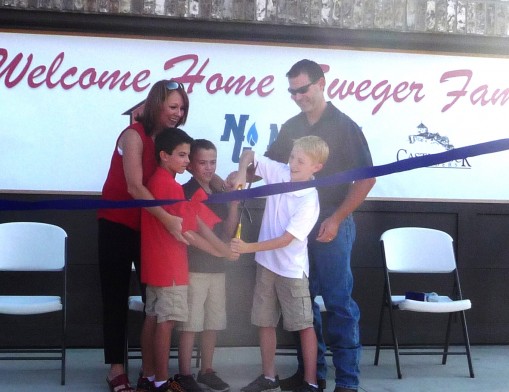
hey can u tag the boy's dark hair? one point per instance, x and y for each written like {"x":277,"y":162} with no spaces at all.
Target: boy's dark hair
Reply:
{"x":169,"y":139}
{"x":308,"y":67}
{"x":201,"y":144}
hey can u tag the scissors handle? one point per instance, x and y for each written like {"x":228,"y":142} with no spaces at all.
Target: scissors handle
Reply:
{"x":238,"y":232}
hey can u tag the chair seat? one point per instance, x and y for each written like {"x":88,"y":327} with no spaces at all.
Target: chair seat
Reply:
{"x":25,"y":304}
{"x":444,"y":304}
{"x":135,"y":303}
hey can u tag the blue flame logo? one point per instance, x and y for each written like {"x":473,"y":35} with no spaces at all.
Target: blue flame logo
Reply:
{"x":252,"y":135}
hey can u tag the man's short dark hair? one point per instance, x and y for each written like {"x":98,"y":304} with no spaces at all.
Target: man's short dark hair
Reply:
{"x":169,"y":139}
{"x":308,"y":67}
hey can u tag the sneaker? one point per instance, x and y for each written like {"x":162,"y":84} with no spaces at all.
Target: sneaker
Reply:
{"x":296,"y":380}
{"x":188,"y":383}
{"x":144,"y":384}
{"x":169,"y":386}
{"x":165,"y":387}
{"x":305,"y":387}
{"x":292,"y":382}
{"x":174,"y":386}
{"x":261,"y":384}
{"x":211,"y":381}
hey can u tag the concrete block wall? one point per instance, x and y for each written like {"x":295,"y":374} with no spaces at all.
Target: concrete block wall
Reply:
{"x":463,"y":17}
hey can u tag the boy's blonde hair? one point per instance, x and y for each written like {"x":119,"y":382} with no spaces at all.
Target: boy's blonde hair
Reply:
{"x":313,"y":146}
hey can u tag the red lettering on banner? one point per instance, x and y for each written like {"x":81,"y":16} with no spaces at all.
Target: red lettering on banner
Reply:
{"x":22,"y":68}
{"x":217,"y":82}
{"x":8,"y":71}
{"x":187,"y":77}
{"x":230,"y":84}
{"x":34,"y":74}
{"x":364,"y":85}
{"x":41,"y":75}
{"x":53,"y":68}
{"x":339,"y":92}
{"x":504,"y":94}
{"x":456,"y":94}
{"x":382,"y":91}
{"x":69,"y":73}
{"x":214,"y":83}
{"x":86,"y":77}
{"x":479,"y":95}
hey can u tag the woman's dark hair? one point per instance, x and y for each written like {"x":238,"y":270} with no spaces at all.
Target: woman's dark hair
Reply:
{"x":155,"y":99}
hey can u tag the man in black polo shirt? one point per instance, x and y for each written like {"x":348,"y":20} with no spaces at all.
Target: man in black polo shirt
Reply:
{"x":331,"y":241}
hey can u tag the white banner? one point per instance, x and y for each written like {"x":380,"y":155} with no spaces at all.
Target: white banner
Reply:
{"x":62,"y":100}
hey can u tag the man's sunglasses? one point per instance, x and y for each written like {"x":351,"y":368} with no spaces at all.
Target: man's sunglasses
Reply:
{"x":174,"y":86}
{"x":301,"y":90}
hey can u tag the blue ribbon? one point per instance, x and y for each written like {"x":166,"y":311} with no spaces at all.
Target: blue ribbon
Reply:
{"x":271,"y":189}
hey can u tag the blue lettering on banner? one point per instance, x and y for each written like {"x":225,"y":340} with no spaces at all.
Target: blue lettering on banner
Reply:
{"x":238,"y":129}
{"x":274,"y":131}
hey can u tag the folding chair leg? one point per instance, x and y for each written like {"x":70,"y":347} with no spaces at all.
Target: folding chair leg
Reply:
{"x":379,"y":337}
{"x":63,"y":349}
{"x":126,"y":354}
{"x":447,"y":337}
{"x":386,"y":303}
{"x":62,"y":371}
{"x":198,"y":356}
{"x":467,"y":344}
{"x":395,"y":341}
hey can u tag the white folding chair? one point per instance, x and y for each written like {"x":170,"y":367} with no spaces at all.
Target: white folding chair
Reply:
{"x":415,"y":250}
{"x":34,"y":247}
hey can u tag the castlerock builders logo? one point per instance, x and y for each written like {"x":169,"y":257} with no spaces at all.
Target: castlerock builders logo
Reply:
{"x":425,"y":142}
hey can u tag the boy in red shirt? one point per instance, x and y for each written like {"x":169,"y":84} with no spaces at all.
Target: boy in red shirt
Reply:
{"x":164,"y":259}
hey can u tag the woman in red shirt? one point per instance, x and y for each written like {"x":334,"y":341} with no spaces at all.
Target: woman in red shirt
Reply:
{"x":132,"y":164}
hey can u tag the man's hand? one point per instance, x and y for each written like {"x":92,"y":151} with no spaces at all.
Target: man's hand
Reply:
{"x":328,"y":230}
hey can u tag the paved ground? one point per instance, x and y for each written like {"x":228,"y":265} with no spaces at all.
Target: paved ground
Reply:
{"x":239,"y":366}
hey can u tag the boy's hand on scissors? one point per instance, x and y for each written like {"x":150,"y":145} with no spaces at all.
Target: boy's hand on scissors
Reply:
{"x":233,"y":256}
{"x":236,"y":180}
{"x":238,"y":246}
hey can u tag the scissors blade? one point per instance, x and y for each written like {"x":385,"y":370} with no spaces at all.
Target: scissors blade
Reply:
{"x":243,"y":206}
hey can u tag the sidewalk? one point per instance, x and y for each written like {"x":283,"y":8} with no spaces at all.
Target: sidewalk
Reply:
{"x":239,"y":366}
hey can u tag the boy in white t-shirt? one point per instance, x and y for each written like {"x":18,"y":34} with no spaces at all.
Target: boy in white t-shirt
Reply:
{"x":282,"y":258}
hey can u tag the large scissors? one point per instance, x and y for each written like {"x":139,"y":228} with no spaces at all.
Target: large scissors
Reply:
{"x":243,"y":207}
